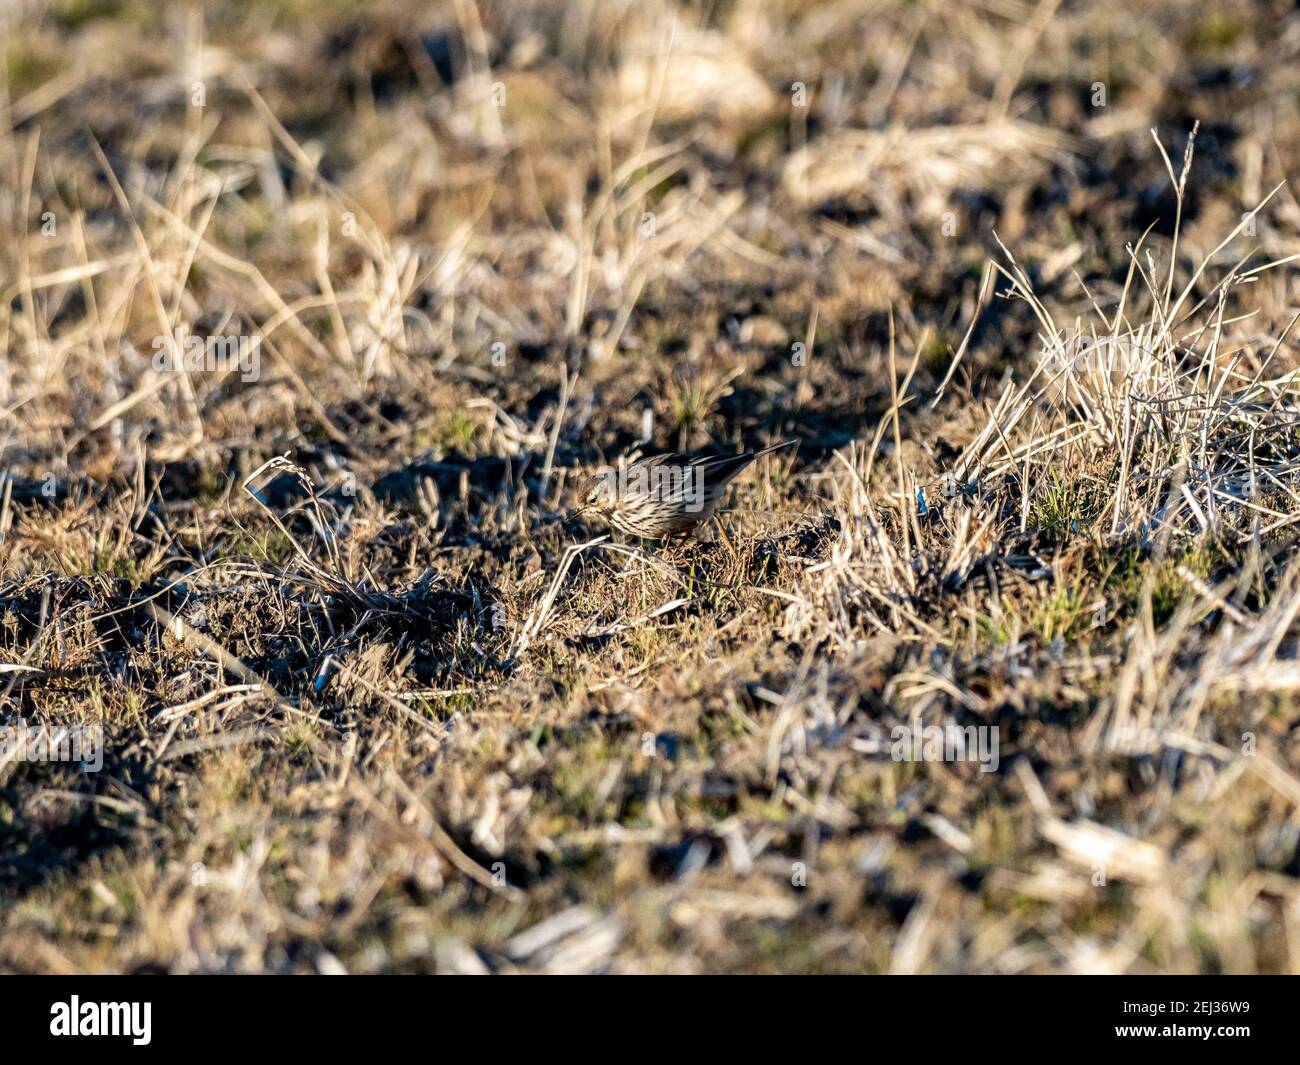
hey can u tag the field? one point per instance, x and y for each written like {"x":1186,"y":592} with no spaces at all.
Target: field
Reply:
{"x":315,"y":318}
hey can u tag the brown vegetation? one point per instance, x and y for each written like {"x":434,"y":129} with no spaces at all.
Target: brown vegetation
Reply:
{"x":372,"y":700}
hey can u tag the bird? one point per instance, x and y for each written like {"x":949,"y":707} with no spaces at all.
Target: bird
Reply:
{"x":667,"y":495}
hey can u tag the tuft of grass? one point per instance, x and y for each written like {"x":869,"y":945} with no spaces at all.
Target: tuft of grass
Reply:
{"x":1063,"y":507}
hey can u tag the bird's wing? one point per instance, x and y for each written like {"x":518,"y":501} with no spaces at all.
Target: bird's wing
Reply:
{"x":709,"y":473}
{"x":668,"y":458}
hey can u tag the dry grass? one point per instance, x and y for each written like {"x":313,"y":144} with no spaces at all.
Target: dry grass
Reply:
{"x":372,"y":703}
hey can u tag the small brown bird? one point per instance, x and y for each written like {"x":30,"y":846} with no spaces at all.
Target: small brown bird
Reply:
{"x":664,"y":495}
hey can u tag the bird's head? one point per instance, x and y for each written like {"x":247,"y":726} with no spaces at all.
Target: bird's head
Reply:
{"x":597,"y":495}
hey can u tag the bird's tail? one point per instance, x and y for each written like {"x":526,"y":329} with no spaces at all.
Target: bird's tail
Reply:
{"x":774,"y":447}
{"x":721,"y":470}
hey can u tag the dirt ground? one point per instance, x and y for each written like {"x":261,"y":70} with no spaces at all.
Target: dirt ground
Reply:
{"x":316,"y":315}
